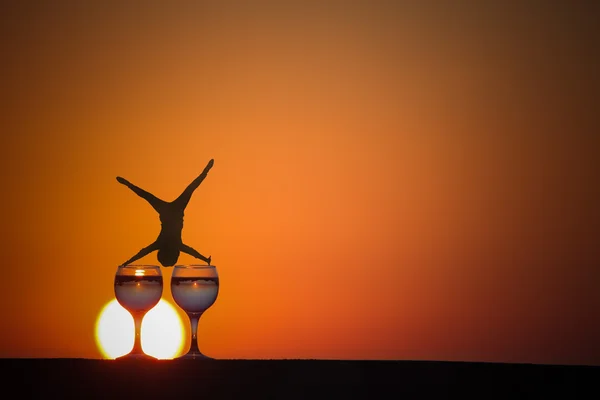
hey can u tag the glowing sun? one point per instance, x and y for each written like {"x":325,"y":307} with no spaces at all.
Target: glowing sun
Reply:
{"x":162,"y":331}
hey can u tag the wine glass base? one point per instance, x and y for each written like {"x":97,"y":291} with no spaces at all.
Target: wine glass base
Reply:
{"x":136,"y":356}
{"x":194,"y":356}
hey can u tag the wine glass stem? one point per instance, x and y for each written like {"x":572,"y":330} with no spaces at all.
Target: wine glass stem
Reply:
{"x":137,"y":343}
{"x":194,"y":328}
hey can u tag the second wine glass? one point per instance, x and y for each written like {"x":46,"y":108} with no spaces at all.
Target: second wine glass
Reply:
{"x":194,"y":288}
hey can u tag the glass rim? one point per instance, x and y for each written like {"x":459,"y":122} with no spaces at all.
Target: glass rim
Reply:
{"x":194,"y":266}
{"x":139,"y":266}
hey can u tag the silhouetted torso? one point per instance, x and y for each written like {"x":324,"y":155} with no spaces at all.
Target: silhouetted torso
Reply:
{"x":171,"y":220}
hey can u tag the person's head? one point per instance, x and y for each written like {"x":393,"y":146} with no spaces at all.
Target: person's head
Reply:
{"x":168,"y":256}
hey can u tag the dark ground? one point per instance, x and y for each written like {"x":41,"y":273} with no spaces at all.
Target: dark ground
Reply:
{"x":283,"y":379}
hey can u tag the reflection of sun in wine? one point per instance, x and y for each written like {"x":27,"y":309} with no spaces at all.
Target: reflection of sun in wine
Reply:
{"x":162,"y":331}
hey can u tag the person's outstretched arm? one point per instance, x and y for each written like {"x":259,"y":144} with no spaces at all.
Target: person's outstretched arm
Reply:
{"x":194,"y":253}
{"x":154,"y":201}
{"x":183,"y":199}
{"x":143,"y":252}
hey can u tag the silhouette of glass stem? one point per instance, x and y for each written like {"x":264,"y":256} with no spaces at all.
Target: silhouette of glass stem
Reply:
{"x":137,"y":341}
{"x":194,"y":317}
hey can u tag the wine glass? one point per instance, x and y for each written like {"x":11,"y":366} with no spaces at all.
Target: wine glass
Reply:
{"x":194,"y":289}
{"x":138,"y":288}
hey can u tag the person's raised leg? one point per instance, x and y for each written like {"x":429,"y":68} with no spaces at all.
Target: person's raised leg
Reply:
{"x":184,"y":198}
{"x":154,"y":201}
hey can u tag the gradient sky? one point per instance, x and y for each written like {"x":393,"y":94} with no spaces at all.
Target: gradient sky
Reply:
{"x":406,"y":181}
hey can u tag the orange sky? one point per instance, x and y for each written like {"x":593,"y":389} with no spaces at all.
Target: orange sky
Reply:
{"x":390,"y":182}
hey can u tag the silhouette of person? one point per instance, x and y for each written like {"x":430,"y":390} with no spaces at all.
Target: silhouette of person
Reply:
{"x":169,"y":243}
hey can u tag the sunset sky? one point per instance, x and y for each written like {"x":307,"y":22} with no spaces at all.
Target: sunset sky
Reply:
{"x":392,"y":180}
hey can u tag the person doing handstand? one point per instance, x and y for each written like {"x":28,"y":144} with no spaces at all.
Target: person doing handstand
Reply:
{"x":169,"y":243}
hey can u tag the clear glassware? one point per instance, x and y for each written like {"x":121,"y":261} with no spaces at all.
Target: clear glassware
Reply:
{"x":138,"y":288}
{"x":195,"y":289}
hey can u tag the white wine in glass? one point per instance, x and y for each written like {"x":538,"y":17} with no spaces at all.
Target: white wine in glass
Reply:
{"x":194,"y":288}
{"x":138,"y":288}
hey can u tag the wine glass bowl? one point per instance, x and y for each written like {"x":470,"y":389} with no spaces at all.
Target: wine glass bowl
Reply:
{"x":138,"y":288}
{"x":195,"y":289}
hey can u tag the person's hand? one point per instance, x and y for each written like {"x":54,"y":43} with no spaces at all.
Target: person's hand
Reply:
{"x":122,"y":180}
{"x":209,"y":258}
